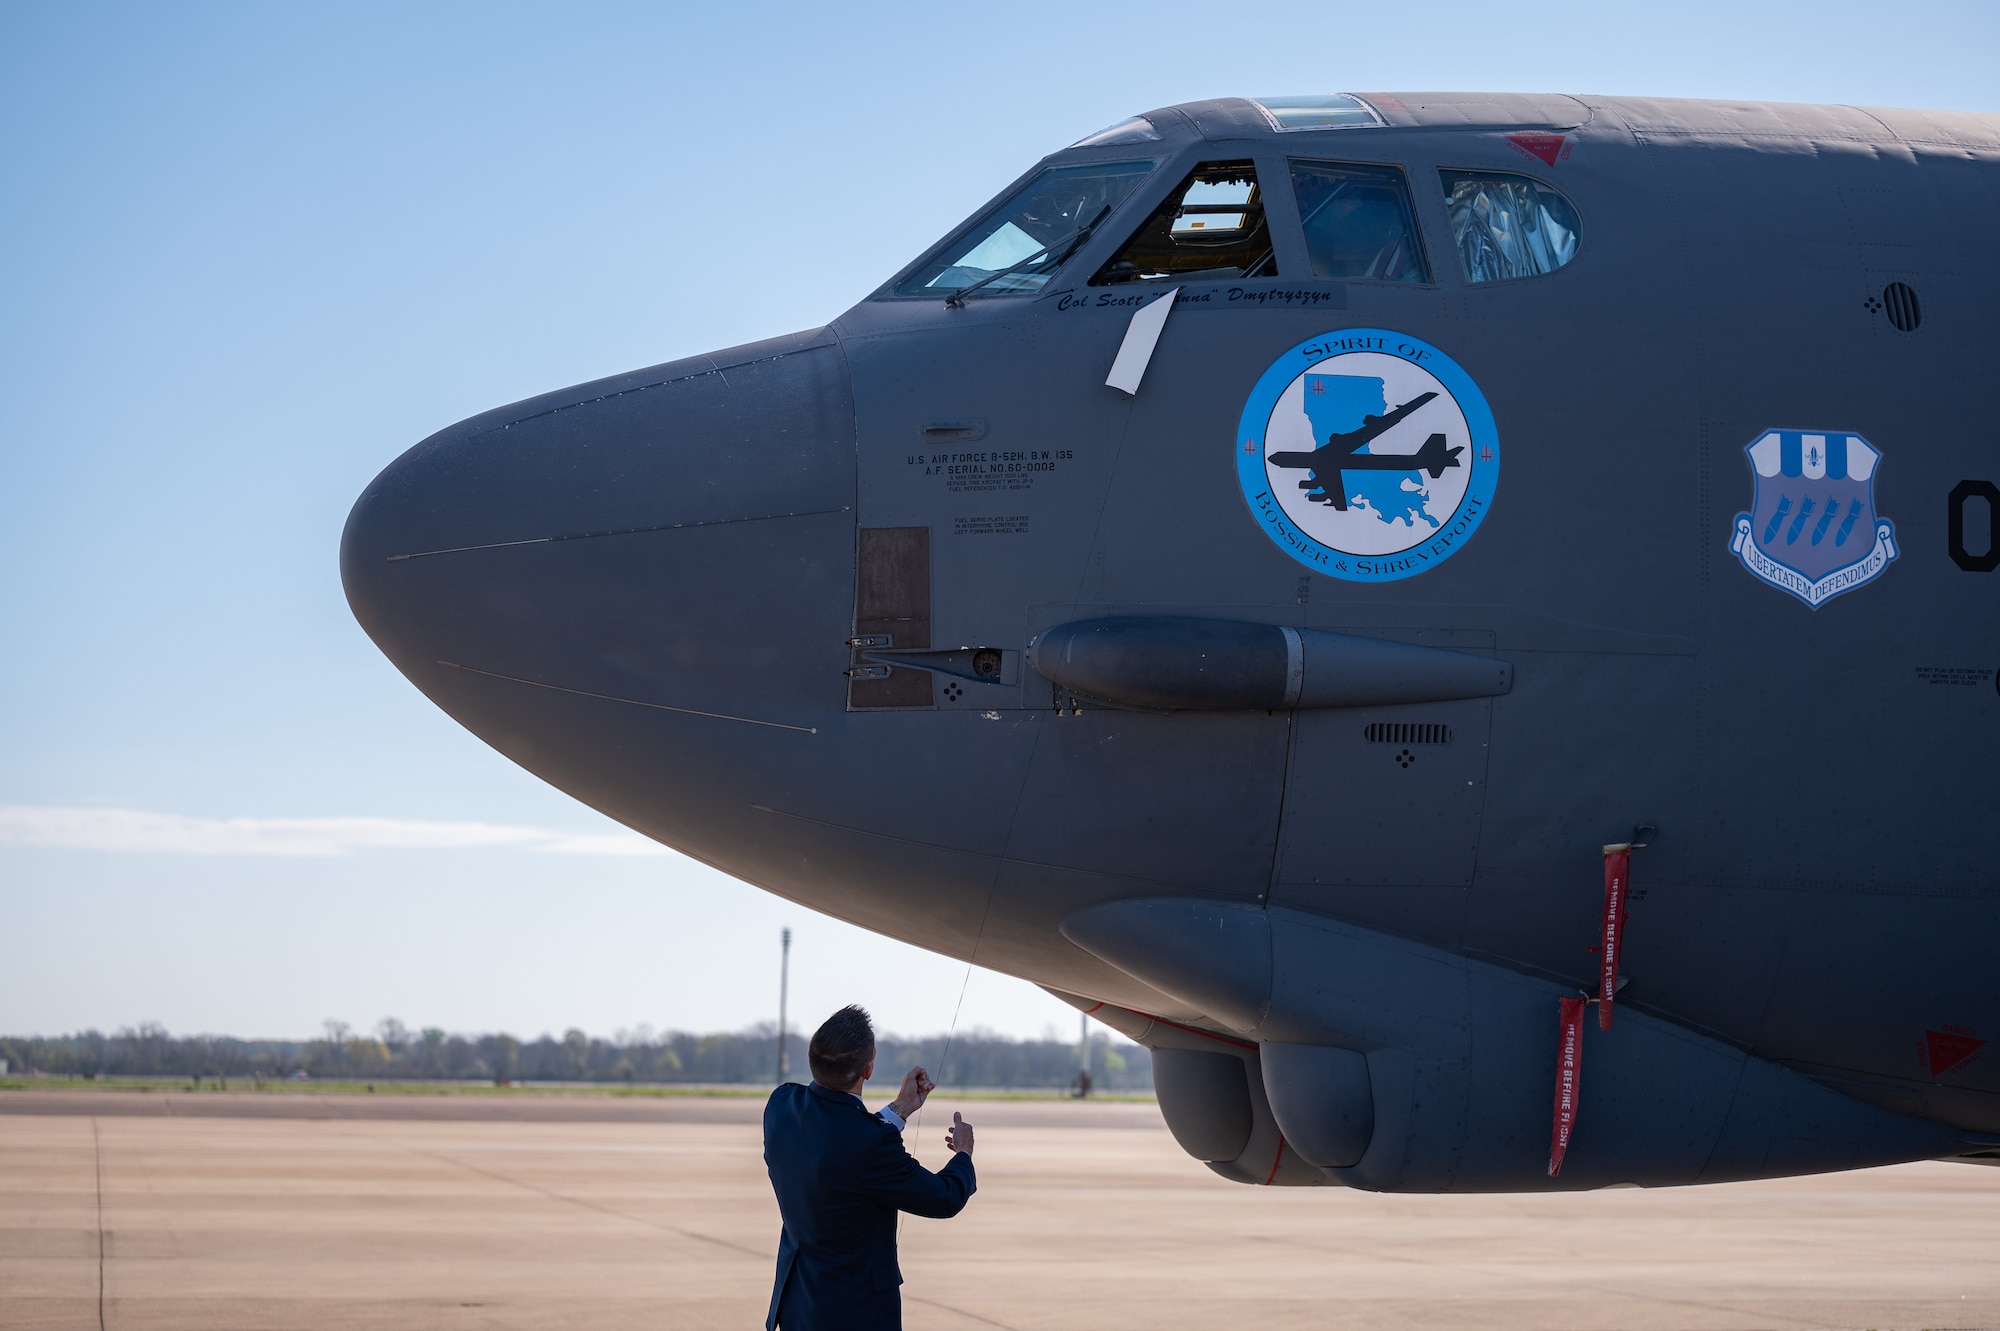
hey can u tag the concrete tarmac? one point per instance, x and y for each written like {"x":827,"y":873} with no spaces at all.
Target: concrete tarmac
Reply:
{"x":235,"y":1211}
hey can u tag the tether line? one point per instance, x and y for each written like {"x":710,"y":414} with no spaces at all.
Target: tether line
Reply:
{"x":944,"y":1059}
{"x":992,"y":888}
{"x":917,"y":1120}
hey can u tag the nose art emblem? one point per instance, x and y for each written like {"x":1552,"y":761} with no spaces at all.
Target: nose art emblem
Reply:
{"x":1368,"y":455}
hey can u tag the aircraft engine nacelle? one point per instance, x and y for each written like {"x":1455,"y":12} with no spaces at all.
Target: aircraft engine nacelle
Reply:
{"x":1323,"y":1098}
{"x":1205,"y":1099}
{"x":1354,"y":1057}
{"x":1212,"y":1096}
{"x":1279,"y":1113}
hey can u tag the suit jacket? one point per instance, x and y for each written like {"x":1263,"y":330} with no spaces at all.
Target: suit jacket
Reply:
{"x":841,"y":1174}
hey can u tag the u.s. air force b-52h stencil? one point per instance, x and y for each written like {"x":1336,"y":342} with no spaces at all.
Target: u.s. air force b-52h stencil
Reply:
{"x":1125,"y":596}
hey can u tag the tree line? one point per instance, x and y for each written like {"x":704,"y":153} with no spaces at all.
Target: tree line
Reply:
{"x":394,"y":1052}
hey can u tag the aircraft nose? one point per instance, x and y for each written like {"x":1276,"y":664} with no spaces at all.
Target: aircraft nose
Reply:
{"x":660,"y":562}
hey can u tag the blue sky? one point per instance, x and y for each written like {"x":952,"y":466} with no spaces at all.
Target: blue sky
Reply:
{"x":248,"y":254}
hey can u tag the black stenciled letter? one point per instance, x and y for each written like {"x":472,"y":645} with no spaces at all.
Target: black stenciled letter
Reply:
{"x":1989,"y":559}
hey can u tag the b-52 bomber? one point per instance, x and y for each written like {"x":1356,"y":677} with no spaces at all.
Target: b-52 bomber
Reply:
{"x":1341,"y":453}
{"x":1621,"y":823}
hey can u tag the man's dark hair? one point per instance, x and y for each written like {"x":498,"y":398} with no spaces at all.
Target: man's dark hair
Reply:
{"x":842,"y":1048}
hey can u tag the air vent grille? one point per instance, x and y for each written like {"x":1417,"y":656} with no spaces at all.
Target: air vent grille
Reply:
{"x":1899,"y":301}
{"x":1407,"y":732}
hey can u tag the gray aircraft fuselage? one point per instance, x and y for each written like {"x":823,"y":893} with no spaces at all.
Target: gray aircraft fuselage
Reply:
{"x":914,"y":620}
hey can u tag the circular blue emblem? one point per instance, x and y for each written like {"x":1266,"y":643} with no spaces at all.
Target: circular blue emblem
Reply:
{"x":1368,"y":455}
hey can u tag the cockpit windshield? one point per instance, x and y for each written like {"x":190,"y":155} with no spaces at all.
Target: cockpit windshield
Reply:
{"x":1212,"y":227}
{"x":1030,"y":230}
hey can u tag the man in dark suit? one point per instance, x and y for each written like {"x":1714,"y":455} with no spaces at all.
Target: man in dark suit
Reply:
{"x":841,"y":1175}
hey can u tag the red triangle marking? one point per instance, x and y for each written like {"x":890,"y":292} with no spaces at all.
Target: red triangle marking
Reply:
{"x":1544,"y":146}
{"x":1947,"y":1051}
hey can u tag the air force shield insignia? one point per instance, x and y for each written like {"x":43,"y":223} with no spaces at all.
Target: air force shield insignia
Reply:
{"x":1812,"y":528}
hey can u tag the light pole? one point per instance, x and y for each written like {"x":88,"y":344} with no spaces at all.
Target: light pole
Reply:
{"x":1083,"y":1056}
{"x":784,"y":984}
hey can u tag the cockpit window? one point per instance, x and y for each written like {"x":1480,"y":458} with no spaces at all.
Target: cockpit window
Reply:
{"x":1030,"y":234}
{"x":1358,"y":222}
{"x":1506,"y":225}
{"x":1136,"y":130}
{"x":1211,"y":226}
{"x":1339,"y":110}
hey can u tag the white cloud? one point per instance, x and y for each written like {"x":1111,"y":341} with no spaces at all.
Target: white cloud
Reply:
{"x":66,"y":828}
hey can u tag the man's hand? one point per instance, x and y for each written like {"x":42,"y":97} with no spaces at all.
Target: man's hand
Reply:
{"x":959,"y":1136}
{"x":917,"y":1088}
